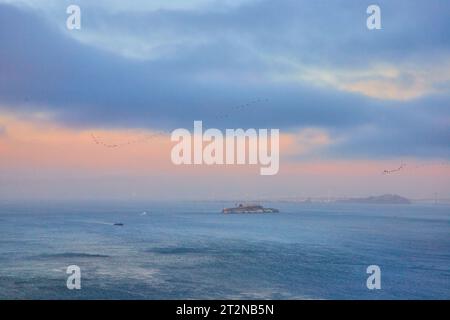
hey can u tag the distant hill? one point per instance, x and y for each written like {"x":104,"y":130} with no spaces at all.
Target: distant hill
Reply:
{"x":383,"y":199}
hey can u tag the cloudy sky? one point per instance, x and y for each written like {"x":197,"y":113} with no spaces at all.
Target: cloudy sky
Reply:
{"x":349,"y":102}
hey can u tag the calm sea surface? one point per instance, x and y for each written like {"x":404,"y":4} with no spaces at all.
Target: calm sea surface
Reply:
{"x":192,"y":251}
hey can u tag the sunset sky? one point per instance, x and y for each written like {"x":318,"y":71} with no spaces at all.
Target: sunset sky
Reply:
{"x":349,"y":102}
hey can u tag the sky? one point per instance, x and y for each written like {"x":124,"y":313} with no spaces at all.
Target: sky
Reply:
{"x":349,"y":102}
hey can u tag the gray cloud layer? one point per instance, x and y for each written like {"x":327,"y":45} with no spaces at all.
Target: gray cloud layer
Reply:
{"x":166,"y":68}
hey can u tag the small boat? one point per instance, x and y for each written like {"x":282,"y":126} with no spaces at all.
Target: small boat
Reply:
{"x":118,"y":224}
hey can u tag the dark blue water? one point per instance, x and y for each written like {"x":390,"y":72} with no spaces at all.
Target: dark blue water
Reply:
{"x":190,"y":250}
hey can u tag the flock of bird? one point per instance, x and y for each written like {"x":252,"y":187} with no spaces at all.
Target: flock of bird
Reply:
{"x":240,"y":107}
{"x":404,"y":167}
{"x":394,"y":170}
{"x":99,"y":141}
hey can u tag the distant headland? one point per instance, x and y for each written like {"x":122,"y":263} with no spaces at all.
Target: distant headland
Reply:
{"x":383,"y":199}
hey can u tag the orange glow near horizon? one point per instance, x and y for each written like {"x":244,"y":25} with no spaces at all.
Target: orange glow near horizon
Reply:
{"x":43,"y":144}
